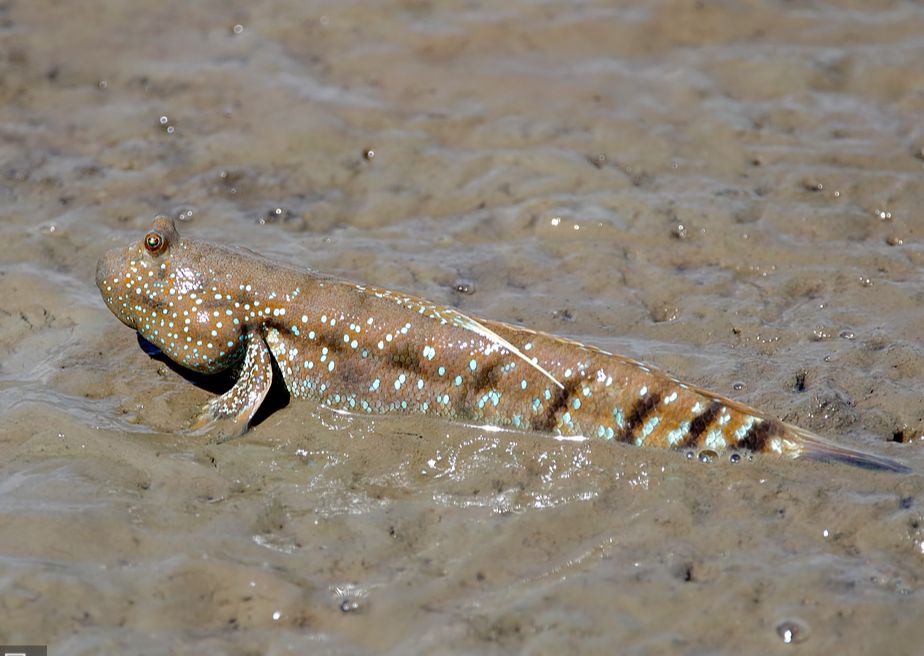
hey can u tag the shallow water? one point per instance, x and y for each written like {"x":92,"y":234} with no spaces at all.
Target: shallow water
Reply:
{"x":729,"y":190}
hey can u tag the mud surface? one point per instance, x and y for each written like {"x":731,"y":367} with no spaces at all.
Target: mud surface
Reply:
{"x":729,"y":190}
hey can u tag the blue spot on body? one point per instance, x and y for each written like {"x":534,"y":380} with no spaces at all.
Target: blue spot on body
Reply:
{"x":620,"y":418}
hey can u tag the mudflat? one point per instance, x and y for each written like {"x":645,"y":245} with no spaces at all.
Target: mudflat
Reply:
{"x":729,"y":191}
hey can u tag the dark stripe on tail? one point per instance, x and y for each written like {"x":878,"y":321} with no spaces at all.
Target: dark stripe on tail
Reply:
{"x":757,"y":436}
{"x":549,"y":419}
{"x":639,"y":413}
{"x":699,"y":425}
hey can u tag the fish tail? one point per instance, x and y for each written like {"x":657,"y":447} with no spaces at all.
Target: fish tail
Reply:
{"x":800,"y":443}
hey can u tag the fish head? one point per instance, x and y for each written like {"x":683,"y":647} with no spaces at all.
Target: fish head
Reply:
{"x":164,"y":287}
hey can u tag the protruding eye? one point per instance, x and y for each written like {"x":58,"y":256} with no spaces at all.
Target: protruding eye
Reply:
{"x":154,"y":242}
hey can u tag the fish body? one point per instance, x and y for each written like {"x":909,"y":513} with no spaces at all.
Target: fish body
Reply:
{"x":366,"y":350}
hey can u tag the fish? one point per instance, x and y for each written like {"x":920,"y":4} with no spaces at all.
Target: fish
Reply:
{"x":366,"y":350}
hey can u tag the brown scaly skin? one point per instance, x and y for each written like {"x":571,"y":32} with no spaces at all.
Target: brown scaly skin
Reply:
{"x":366,"y":350}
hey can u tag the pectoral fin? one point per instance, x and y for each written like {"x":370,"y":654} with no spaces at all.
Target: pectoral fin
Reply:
{"x":229,"y":415}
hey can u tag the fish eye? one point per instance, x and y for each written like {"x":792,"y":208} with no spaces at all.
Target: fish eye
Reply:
{"x":154,"y":242}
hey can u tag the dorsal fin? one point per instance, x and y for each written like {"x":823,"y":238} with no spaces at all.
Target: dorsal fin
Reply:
{"x":464,"y":321}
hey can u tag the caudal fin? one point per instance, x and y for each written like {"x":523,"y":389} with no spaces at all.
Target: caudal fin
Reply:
{"x":813,"y":447}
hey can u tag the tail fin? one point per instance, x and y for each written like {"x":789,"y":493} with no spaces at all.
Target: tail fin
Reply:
{"x":811,"y":446}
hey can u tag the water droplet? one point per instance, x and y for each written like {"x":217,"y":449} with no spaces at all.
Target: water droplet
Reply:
{"x":738,"y":386}
{"x":690,"y":455}
{"x":707,"y":455}
{"x":734,"y":458}
{"x":276,"y":615}
{"x":368,"y":154}
{"x":792,"y":631}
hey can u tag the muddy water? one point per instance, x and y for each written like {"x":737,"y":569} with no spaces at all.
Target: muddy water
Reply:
{"x":731,"y":191}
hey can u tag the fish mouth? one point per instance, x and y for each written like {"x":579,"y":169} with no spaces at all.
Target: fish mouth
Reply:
{"x":108,"y":270}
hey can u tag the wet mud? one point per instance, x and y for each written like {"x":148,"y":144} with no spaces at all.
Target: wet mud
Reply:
{"x":730,"y":191}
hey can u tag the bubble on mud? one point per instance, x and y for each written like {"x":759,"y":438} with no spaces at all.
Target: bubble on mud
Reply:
{"x":164,"y":122}
{"x":792,"y":631}
{"x":598,"y":160}
{"x":273,"y":215}
{"x":734,"y":458}
{"x":690,"y":455}
{"x":282,"y":216}
{"x":349,"y":606}
{"x":350,"y":598}
{"x":466,"y":287}
{"x":368,"y":154}
{"x":707,"y":455}
{"x":810,"y":184}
